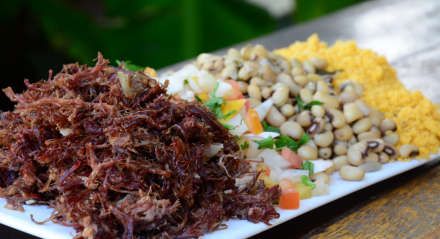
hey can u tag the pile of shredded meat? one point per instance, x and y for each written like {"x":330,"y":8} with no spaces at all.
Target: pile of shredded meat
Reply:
{"x":116,"y":157}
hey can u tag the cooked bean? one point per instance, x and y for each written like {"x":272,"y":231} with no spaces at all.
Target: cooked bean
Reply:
{"x":316,"y":127}
{"x":292,"y":129}
{"x":391,"y":151}
{"x":325,"y":153}
{"x":308,"y":66}
{"x":301,"y":80}
{"x":259,"y":81}
{"x":362,"y":125}
{"x":249,"y":70}
{"x":375,"y":145}
{"x":254,"y":92}
{"x":293,"y":87}
{"x":328,"y":126}
{"x":340,"y":149}
{"x":304,"y":118}
{"x":356,"y":153}
{"x":246,"y":51}
{"x":296,"y":63}
{"x":344,"y":133}
{"x":282,"y":77}
{"x":258,"y":52}
{"x":205,"y":57}
{"x":372,"y":157}
{"x":351,"y":173}
{"x":363,"y":106}
{"x":318,"y":111}
{"x":368,"y":135}
{"x":312,"y":143}
{"x":287,"y":110}
{"x":280,"y":96}
{"x":243,"y":87}
{"x":321,"y":86}
{"x":306,"y":96}
{"x":230,"y":72}
{"x":254,"y":102}
{"x":371,"y":166}
{"x":337,"y":118}
{"x":330,"y":102}
{"x":376,"y":130}
{"x":311,"y":86}
{"x":233,"y":57}
{"x":275,"y":118}
{"x":358,"y":88}
{"x":318,"y":63}
{"x":296,"y":71}
{"x":409,"y":150}
{"x":388,"y":124}
{"x":331,"y":169}
{"x":348,"y":97}
{"x":392,"y":138}
{"x":352,"y":140}
{"x":324,"y":139}
{"x":314,"y":77}
{"x":320,"y":175}
{"x":307,"y":152}
{"x":352,"y":112}
{"x":266,"y":92}
{"x":376,"y":117}
{"x":339,"y":162}
{"x":383,"y":158}
{"x":268,"y":74}
{"x":279,"y":85}
{"x":284,"y":65}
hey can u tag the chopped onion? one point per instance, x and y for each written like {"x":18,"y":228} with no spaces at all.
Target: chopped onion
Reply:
{"x":260,"y":136}
{"x":321,"y":165}
{"x":292,"y":174}
{"x":264,"y":108}
{"x":213,"y":150}
{"x":273,"y":159}
{"x":239,"y":124}
{"x":321,"y":188}
{"x":206,"y":81}
{"x":223,"y":88}
{"x":194,"y":85}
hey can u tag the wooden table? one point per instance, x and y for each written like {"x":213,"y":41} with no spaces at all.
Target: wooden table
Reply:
{"x":407,"y":32}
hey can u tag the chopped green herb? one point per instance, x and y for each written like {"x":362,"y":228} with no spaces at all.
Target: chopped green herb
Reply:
{"x":129,"y":66}
{"x":215,"y":103}
{"x":306,"y":106}
{"x":244,"y":145}
{"x":286,"y":141}
{"x":228,"y":114}
{"x":241,"y":121}
{"x":237,"y":138}
{"x":276,"y":203}
{"x":185,"y":81}
{"x":198,"y":98}
{"x":307,"y":165}
{"x":268,"y":128}
{"x":307,"y":182}
{"x":265,"y":143}
{"x":228,"y":126}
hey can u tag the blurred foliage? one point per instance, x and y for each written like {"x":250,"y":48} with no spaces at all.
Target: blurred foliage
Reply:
{"x":310,"y":9}
{"x":155,"y":33}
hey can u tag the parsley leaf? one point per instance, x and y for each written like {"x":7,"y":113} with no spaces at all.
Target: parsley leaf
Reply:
{"x":244,"y":145}
{"x":268,"y":128}
{"x":215,"y":103}
{"x":308,"y":106}
{"x":276,"y":203}
{"x":307,"y":182}
{"x":286,"y":141}
{"x":228,"y":126}
{"x":129,"y":66}
{"x":307,"y":165}
{"x":198,"y":98}
{"x":228,"y":114}
{"x":185,"y":81}
{"x":265,"y":143}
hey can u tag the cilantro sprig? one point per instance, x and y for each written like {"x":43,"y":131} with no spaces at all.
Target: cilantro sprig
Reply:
{"x":215,"y":103}
{"x":307,"y":182}
{"x":129,"y":66}
{"x":307,"y":106}
{"x":307,"y":165}
{"x":286,"y":141}
{"x":228,"y":126}
{"x":265,"y":143}
{"x":244,"y":145}
{"x":268,"y":128}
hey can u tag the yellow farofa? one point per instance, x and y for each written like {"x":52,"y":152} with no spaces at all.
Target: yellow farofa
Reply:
{"x":417,"y":118}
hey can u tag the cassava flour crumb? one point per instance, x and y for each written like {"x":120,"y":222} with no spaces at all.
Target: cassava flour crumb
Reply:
{"x":417,"y":118}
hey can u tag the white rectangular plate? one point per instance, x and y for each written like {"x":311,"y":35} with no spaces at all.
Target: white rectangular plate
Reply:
{"x":236,"y":228}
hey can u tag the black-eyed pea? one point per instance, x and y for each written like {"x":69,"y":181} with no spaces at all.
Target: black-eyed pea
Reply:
{"x":312,"y":143}
{"x":296,"y":71}
{"x":283,"y":64}
{"x":294,"y":88}
{"x":351,"y":173}
{"x":363,"y":106}
{"x":230,"y":72}
{"x":254,"y":92}
{"x":259,"y":52}
{"x":318,"y":111}
{"x":343,"y":134}
{"x":249,"y":70}
{"x":318,"y":63}
{"x":307,"y":152}
{"x":282,"y":77}
{"x":268,"y":75}
{"x":301,"y":80}
{"x":352,"y":112}
{"x":325,"y":153}
{"x":320,"y":175}
{"x":280,"y":96}
{"x":295,"y":62}
{"x":321,"y":86}
{"x":392,"y":152}
{"x":348,"y":97}
{"x":308,"y":66}
{"x":409,"y":150}
{"x":328,"y":126}
{"x":324,"y":139}
{"x":233,"y":57}
{"x":383,"y":158}
{"x":392,"y":138}
{"x":376,"y":117}
{"x":358,"y":88}
{"x":375,"y":129}
{"x":275,"y":118}
{"x":305,"y":118}
{"x":362,"y":125}
{"x":266,"y":92}
{"x":340,"y":161}
{"x":243,"y":87}
{"x":245,"y":52}
{"x":292,"y":129}
{"x":330,"y":102}
{"x":368,"y":135}
{"x":287,"y":110}
{"x":254,"y":102}
{"x":258,"y":81}
{"x":340,"y":149}
{"x":314,"y":77}
{"x":306,"y":96}
{"x":311,"y":86}
{"x":356,"y":153}
{"x":375,"y":145}
{"x":317,"y":126}
{"x":387,"y":124}
{"x":372,"y":157}
{"x":337,"y":118}
{"x":205,"y":57}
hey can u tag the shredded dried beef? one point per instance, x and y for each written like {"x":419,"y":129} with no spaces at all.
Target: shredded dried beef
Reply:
{"x":118,"y":165}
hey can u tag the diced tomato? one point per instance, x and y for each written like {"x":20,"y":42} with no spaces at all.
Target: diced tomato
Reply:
{"x":253,"y":122}
{"x":264,"y":167}
{"x":232,"y":93}
{"x":292,"y":157}
{"x":289,"y":199}
{"x":286,"y":184}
